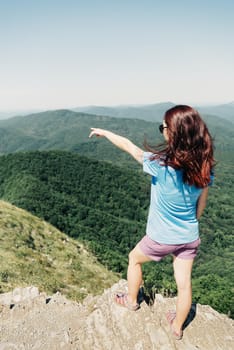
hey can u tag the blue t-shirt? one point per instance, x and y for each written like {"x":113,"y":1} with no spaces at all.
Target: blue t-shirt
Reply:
{"x":172,"y":213}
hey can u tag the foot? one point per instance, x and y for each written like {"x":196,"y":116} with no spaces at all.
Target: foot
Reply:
{"x":171,"y":315}
{"x":122,"y":300}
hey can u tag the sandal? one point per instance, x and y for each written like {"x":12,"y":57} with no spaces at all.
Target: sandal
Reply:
{"x":171,"y":315}
{"x":122,"y":300}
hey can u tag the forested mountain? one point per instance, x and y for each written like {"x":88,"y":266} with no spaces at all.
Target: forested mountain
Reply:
{"x":67,"y":130}
{"x":106,"y":207}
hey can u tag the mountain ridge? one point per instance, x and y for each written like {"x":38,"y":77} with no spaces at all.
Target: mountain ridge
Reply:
{"x":154,"y":112}
{"x":163,"y":106}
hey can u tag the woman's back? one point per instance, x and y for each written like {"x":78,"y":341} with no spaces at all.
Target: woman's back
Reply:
{"x":172,"y":213}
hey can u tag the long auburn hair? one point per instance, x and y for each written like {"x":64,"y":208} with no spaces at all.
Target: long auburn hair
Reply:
{"x":189,"y":146}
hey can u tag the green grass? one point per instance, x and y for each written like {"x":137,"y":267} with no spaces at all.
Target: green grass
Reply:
{"x":33,"y":252}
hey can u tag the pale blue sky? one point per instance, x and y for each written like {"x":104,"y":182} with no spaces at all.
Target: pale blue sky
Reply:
{"x":64,"y":54}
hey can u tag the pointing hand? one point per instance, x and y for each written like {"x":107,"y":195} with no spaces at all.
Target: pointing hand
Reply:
{"x":96,"y":132}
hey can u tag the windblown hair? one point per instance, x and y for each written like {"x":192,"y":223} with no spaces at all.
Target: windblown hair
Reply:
{"x":189,"y":146}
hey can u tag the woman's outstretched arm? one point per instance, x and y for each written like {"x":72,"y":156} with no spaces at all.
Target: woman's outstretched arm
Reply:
{"x":121,"y":142}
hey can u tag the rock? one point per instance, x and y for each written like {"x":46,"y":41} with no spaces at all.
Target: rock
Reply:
{"x":53,"y":322}
{"x":18,"y":295}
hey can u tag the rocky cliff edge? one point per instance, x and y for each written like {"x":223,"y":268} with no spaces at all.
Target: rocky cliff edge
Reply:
{"x":33,"y":320}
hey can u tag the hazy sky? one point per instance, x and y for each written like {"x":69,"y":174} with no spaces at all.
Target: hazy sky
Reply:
{"x":63,"y":54}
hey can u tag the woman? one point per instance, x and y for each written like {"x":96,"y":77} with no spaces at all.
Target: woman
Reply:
{"x":181,"y":173}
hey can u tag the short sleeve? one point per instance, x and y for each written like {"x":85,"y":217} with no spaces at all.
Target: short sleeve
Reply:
{"x":150,"y":166}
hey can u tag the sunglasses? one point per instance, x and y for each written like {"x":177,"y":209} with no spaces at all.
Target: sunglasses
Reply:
{"x":162,"y":127}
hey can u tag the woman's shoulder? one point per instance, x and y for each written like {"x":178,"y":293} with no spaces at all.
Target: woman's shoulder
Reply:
{"x":154,"y":157}
{"x":151,"y":163}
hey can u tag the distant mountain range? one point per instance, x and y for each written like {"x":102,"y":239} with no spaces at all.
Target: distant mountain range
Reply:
{"x":14,"y":113}
{"x":155,"y":112}
{"x":69,"y":130}
{"x":150,"y":112}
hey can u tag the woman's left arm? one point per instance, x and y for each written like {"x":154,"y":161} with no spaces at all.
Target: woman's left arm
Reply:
{"x":201,"y":204}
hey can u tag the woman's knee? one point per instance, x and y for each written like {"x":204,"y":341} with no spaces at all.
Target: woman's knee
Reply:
{"x":132,"y":257}
{"x":182,"y":273}
{"x":136,"y":256}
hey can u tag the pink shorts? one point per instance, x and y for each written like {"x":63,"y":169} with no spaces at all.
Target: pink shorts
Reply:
{"x":156,"y":251}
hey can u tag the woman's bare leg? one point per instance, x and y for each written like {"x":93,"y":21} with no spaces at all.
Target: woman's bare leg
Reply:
{"x":136,"y":259}
{"x":182,"y":272}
